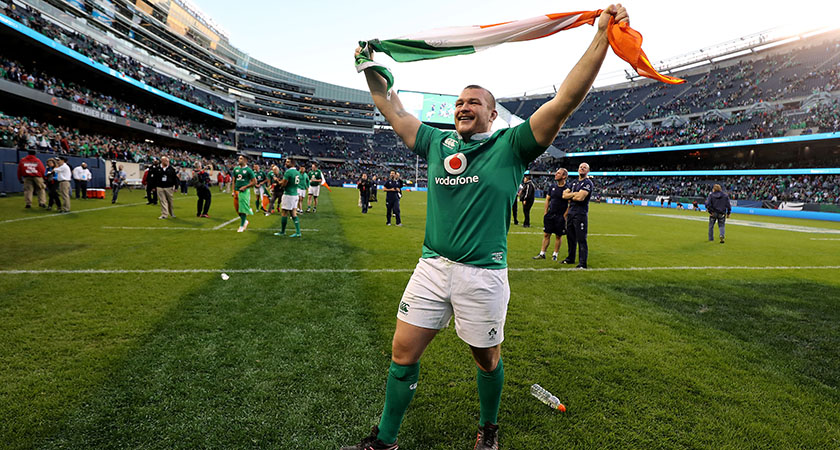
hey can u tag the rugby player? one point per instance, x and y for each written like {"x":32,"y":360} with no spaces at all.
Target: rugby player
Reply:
{"x":316,"y":178}
{"x":289,"y":200}
{"x":244,"y":180}
{"x":473,"y":174}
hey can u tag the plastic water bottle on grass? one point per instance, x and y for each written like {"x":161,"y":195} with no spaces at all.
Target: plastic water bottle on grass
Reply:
{"x":547,"y":398}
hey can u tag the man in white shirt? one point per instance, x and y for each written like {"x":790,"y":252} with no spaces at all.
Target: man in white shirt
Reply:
{"x":81,"y":175}
{"x":63,"y":175}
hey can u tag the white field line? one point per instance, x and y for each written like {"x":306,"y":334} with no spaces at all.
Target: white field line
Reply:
{"x":825,"y":239}
{"x":196,"y":228}
{"x":71,"y":212}
{"x":48,"y":215}
{"x":513,"y":269}
{"x":226,"y":223}
{"x":590,"y":234}
{"x":749,"y":223}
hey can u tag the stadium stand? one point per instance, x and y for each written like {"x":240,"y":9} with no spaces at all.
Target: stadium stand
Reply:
{"x":34,"y":79}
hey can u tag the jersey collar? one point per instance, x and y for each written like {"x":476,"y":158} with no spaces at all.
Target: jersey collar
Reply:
{"x":477,"y":136}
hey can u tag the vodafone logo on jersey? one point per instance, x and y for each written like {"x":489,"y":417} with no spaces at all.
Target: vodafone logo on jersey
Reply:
{"x":455,"y":164}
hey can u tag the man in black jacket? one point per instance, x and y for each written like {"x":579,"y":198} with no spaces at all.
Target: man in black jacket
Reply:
{"x":393,"y":189}
{"x":719,"y":209}
{"x":166,"y":188}
{"x":152,"y":177}
{"x":364,"y":192}
{"x":201,"y":181}
{"x":526,"y":196}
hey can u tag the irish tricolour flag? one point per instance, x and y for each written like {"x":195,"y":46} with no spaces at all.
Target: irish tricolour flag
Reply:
{"x":625,"y":42}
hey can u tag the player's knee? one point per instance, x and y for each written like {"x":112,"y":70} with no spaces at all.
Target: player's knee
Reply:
{"x":404,"y":353}
{"x":487,"y":358}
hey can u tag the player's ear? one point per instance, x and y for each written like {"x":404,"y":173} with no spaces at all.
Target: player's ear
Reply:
{"x":493,"y":115}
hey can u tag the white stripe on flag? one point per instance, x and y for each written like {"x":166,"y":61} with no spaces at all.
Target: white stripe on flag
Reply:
{"x":481,"y":38}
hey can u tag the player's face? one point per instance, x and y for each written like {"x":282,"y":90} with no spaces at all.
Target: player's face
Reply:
{"x":473,"y":112}
{"x":241,"y":160}
{"x":583,"y":169}
{"x":560,"y":175}
{"x":289,"y":163}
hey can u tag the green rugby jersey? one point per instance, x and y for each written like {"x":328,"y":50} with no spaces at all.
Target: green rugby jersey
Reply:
{"x":315,"y":177}
{"x":242,"y":176}
{"x":304,"y":182}
{"x":260,"y":176}
{"x":293,"y":180}
{"x":472,"y":186}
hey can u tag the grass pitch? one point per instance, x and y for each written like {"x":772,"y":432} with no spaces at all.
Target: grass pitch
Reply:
{"x":740,"y":357}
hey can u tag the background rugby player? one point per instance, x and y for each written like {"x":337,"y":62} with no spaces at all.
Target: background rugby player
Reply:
{"x":289,"y":200}
{"x":244,"y":179}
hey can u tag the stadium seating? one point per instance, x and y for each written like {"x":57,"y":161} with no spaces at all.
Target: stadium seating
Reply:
{"x":35,"y":79}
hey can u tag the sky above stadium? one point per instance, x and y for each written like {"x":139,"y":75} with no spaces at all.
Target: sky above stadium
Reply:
{"x":316,"y":39}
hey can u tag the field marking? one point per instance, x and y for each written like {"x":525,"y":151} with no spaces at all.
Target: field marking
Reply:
{"x":71,"y":212}
{"x":226,"y":223}
{"x":749,"y":223}
{"x":590,"y":234}
{"x":825,"y":239}
{"x":512,"y":269}
{"x":45,"y":216}
{"x":196,"y":228}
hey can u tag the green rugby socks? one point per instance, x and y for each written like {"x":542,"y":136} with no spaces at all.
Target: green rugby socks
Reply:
{"x":402,"y":382}
{"x":241,"y":219}
{"x":297,"y":224}
{"x":490,"y":392}
{"x":283,"y":221}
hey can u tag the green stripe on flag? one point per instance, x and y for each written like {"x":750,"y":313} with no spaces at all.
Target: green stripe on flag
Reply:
{"x":406,"y":50}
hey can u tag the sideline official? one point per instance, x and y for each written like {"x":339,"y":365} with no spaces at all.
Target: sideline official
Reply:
{"x":719,"y":209}
{"x":577,"y":223}
{"x":201,"y":181}
{"x":526,"y":196}
{"x":166,"y":188}
{"x":393,"y":189}
{"x":554,"y":218}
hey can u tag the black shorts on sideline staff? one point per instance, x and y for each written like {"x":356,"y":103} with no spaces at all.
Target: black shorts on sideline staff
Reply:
{"x":554,"y":224}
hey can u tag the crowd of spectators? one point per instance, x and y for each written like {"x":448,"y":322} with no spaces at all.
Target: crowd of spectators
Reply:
{"x":41,"y":81}
{"x":795,"y":188}
{"x":125,"y":64}
{"x":822,"y":118}
{"x":29,"y":134}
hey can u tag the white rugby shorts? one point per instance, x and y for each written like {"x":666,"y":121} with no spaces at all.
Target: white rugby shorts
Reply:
{"x":478,"y":298}
{"x":289,"y":202}
{"x":315,"y":190}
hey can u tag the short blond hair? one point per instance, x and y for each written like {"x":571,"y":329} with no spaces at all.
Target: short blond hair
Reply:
{"x":717,"y":188}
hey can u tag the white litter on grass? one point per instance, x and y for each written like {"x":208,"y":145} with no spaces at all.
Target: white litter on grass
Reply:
{"x":225,"y":276}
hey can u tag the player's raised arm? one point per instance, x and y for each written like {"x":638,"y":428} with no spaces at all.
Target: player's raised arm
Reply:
{"x":547,"y":120}
{"x":404,"y":124}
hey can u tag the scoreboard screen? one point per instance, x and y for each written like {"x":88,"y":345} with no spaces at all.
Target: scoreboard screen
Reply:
{"x":430,"y":108}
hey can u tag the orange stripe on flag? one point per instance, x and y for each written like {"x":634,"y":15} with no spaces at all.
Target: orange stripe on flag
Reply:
{"x":324,"y":183}
{"x":627,"y":44}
